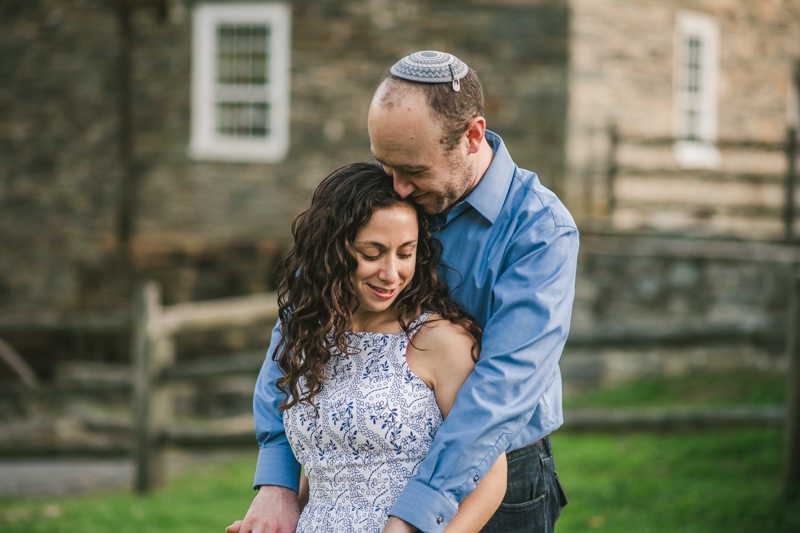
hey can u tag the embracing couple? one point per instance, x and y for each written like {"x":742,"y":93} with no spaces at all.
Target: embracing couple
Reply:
{"x":415,"y":378}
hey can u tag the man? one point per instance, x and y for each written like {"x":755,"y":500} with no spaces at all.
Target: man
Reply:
{"x":513,"y":247}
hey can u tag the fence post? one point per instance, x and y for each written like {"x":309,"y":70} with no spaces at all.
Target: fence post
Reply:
{"x":611,"y":171}
{"x":152,"y":351}
{"x":791,"y":173}
{"x":792,"y":458}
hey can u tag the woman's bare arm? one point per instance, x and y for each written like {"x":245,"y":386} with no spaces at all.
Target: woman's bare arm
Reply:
{"x":441,"y":355}
{"x":302,"y":495}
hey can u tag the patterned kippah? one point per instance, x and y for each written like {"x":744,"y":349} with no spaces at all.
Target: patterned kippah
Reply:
{"x":431,"y":67}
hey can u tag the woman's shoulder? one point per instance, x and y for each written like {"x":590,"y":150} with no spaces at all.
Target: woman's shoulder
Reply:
{"x":441,"y":354}
{"x":445,"y":339}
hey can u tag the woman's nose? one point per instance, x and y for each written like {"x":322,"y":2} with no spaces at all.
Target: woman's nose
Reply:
{"x":389,"y":271}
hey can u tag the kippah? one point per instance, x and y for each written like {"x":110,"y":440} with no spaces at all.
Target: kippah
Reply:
{"x":431,"y":67}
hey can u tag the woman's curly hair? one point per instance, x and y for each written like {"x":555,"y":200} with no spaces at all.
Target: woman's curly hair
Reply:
{"x":316,"y":294}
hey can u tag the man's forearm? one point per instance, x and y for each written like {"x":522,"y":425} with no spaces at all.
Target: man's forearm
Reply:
{"x":276,"y":463}
{"x":274,"y":510}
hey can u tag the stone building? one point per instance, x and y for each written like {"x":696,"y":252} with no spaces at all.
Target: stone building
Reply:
{"x":98,"y":151}
{"x":177,"y":139}
{"x":700,"y":93}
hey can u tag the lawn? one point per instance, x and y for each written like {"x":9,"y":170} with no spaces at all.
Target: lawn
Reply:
{"x":674,"y":482}
{"x":701,"y":389}
{"x":721,"y":481}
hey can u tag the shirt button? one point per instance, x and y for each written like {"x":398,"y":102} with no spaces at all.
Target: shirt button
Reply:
{"x":475,"y":479}
{"x":439,"y":520}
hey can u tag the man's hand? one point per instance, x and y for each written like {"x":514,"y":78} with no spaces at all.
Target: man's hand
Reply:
{"x":398,"y":525}
{"x":274,"y":510}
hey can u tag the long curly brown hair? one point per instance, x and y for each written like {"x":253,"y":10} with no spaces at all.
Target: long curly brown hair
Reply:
{"x":316,"y":294}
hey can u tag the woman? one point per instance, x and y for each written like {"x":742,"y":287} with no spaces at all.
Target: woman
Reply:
{"x":384,"y":353}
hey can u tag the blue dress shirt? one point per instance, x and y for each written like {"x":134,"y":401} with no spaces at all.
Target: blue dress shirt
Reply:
{"x":514,"y":248}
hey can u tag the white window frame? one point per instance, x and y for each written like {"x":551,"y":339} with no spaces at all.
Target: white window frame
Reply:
{"x":205,"y":142}
{"x":698,"y":151}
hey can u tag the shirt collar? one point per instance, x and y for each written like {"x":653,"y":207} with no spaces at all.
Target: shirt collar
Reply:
{"x":490,"y":194}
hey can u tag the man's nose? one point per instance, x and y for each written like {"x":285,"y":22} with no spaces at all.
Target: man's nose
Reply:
{"x":402,"y":186}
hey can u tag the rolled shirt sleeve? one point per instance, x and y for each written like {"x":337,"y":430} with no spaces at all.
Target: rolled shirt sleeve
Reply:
{"x":517,"y":375}
{"x":276,"y":464}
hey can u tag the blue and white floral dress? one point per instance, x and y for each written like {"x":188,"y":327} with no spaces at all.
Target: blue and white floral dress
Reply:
{"x":376,"y":423}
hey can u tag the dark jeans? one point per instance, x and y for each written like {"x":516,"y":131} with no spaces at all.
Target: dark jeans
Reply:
{"x":534,"y":497}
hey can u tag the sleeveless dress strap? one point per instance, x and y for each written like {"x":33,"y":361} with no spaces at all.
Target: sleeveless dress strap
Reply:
{"x":416,"y":324}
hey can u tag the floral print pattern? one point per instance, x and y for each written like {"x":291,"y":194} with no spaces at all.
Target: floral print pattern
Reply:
{"x":376,"y":422}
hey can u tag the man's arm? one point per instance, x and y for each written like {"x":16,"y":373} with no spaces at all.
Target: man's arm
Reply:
{"x":522,"y":343}
{"x":276,"y":464}
{"x":275,"y":507}
{"x":274,"y":510}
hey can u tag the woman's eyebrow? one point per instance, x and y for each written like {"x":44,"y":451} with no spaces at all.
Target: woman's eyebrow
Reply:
{"x":379,"y":245}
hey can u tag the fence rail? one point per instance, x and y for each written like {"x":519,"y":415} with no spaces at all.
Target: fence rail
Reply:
{"x":786,"y":213}
{"x":153,"y":349}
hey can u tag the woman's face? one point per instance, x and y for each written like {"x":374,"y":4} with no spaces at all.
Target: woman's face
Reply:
{"x":386,"y":250}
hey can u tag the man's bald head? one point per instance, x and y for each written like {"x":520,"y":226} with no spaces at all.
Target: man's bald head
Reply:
{"x":453,"y":110}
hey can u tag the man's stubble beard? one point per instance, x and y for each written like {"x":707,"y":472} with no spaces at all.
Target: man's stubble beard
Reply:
{"x":456,"y":190}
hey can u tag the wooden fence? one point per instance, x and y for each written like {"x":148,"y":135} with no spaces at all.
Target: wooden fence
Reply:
{"x":615,"y":168}
{"x":154,"y":371}
{"x":153,"y":353}
{"x":792,"y":454}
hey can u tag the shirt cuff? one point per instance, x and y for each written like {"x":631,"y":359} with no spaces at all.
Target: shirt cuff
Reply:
{"x":424,"y":508}
{"x":277,"y":466}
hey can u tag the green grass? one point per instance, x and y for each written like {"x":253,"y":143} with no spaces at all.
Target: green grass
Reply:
{"x":647,"y":482}
{"x":203,"y":499}
{"x":721,"y":481}
{"x":704,"y":482}
{"x":708,"y":389}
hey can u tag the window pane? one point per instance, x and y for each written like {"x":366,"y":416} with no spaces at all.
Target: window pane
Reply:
{"x":693,"y":54}
{"x":243,"y":119}
{"x":242,"y":54}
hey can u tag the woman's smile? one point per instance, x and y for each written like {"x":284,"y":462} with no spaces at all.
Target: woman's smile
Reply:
{"x":382,"y":293}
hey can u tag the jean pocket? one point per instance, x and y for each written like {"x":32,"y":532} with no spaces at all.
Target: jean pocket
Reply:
{"x":524,"y":506}
{"x":519,"y":517}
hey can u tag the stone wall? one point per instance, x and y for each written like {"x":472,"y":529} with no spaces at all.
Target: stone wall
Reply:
{"x":633,"y":290}
{"x":60,"y":166}
{"x":622,"y":72}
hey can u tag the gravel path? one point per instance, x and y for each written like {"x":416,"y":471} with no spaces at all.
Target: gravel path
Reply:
{"x":59,"y":477}
{"x":52,"y":477}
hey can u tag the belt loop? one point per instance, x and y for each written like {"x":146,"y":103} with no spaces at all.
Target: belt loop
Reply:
{"x":548,"y":447}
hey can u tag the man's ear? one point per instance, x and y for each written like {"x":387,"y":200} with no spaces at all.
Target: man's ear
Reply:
{"x":475,"y":134}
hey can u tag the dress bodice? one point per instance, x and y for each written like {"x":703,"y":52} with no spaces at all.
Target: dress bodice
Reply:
{"x":376,"y":422}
